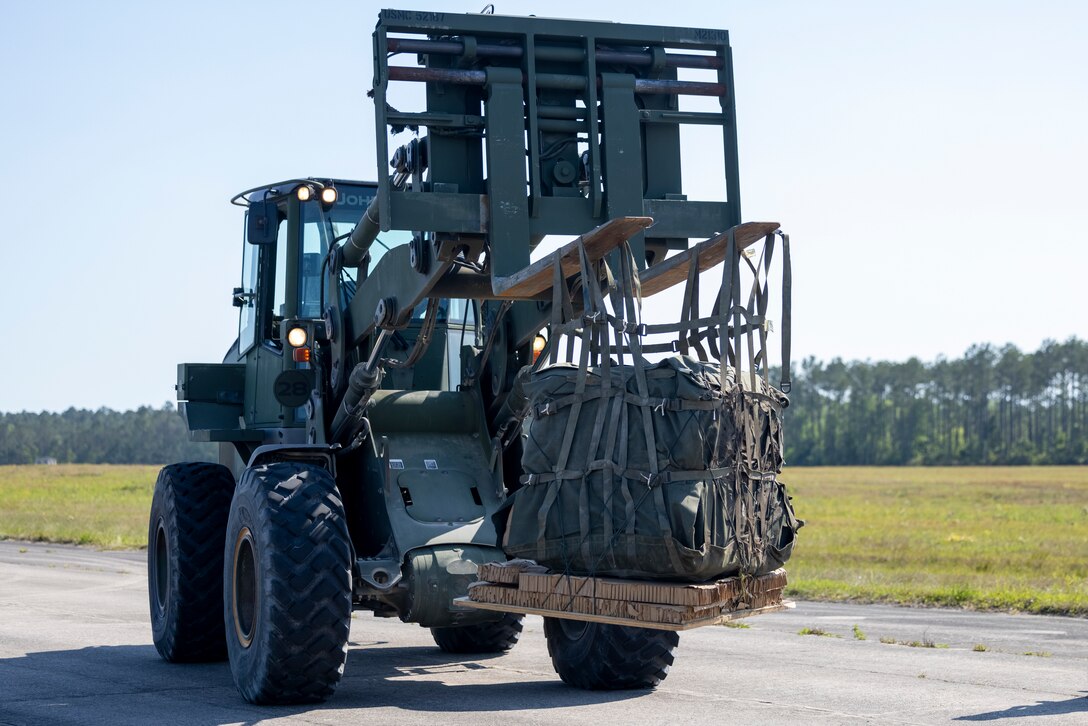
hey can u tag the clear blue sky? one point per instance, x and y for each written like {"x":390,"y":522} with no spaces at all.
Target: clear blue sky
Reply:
{"x":928,"y":159}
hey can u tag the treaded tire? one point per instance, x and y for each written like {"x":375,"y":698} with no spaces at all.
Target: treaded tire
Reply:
{"x":601,"y":657}
{"x":495,"y":637}
{"x":185,"y":561}
{"x":287,"y":581}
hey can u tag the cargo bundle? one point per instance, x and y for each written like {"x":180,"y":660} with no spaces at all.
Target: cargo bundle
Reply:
{"x":665,"y":470}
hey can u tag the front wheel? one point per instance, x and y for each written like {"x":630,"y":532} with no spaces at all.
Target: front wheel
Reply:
{"x":287,"y":584}
{"x":601,"y":657}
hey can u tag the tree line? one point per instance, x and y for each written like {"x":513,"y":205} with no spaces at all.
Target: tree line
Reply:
{"x":145,"y":436}
{"x":992,"y":406}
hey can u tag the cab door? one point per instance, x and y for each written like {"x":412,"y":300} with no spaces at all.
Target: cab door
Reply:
{"x":264,"y":277}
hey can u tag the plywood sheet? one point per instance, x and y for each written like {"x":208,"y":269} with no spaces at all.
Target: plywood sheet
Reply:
{"x":537,"y":277}
{"x":674,"y":270}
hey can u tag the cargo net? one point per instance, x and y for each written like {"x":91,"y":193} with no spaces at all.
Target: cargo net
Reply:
{"x":656,"y":470}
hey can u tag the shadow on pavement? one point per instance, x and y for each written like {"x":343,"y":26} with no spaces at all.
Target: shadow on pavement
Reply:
{"x":130,"y":683}
{"x":413,"y":678}
{"x":1042,"y":708}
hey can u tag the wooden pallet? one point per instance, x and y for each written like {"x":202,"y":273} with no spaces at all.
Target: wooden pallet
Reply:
{"x":525,"y":587}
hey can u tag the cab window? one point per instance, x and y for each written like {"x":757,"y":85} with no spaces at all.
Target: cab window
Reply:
{"x":247,"y":317}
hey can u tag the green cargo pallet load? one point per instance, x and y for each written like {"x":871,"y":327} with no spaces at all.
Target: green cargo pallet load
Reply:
{"x":665,"y":470}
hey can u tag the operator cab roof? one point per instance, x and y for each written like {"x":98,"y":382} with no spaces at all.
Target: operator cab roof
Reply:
{"x":281,"y":188}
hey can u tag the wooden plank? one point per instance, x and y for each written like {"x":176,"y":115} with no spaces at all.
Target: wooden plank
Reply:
{"x":585,"y":617}
{"x":588,"y":603}
{"x":465,"y":602}
{"x":651,"y":591}
{"x":507,"y":572}
{"x":674,"y":270}
{"x":738,"y":614}
{"x":537,"y":277}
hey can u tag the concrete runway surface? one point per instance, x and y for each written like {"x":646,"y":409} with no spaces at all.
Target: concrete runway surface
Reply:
{"x":75,"y":648}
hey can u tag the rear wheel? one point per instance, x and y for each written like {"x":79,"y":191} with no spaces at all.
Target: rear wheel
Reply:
{"x":287,"y":580}
{"x":185,"y":561}
{"x":493,"y":637}
{"x":596,"y":656}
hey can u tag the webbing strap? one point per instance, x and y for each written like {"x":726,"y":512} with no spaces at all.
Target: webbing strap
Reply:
{"x":591,"y":281}
{"x":562,"y":312}
{"x":583,"y":519}
{"x":658,"y":405}
{"x":542,"y":519}
{"x":725,"y":303}
{"x":625,"y":489}
{"x":631,"y":294}
{"x":690,"y":309}
{"x":705,"y":333}
{"x":614,"y":428}
{"x":697,"y":324}
{"x":635,"y":475}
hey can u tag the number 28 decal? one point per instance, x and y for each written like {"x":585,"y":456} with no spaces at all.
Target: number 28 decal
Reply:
{"x":292,"y":388}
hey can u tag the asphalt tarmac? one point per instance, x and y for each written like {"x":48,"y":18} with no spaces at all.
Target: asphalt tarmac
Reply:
{"x":75,"y":648}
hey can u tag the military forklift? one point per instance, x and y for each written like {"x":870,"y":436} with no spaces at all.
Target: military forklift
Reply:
{"x":365,"y":442}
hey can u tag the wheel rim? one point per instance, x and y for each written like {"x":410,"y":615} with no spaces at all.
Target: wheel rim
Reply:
{"x":244,"y":587}
{"x":162,"y":567}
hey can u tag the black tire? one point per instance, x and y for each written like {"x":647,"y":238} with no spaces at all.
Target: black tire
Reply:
{"x":185,"y":535}
{"x":601,"y":657}
{"x":495,"y":637}
{"x":287,"y":580}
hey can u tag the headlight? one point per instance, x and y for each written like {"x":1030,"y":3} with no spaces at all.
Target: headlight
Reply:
{"x":297,"y":337}
{"x":304,"y":193}
{"x":328,"y":195}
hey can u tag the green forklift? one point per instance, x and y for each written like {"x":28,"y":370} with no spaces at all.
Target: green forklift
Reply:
{"x":365,"y":441}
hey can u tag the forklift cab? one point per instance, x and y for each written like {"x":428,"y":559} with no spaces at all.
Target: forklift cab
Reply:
{"x":290,"y":228}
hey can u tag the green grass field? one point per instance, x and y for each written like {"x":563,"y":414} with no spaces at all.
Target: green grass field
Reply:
{"x":1011,"y":538}
{"x":105,"y":506}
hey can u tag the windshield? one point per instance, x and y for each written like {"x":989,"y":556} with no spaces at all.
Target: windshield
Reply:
{"x":351,"y":204}
{"x":320,"y":229}
{"x":342,"y":221}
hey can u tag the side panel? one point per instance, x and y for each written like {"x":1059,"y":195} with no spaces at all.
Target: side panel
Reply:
{"x":430,"y":470}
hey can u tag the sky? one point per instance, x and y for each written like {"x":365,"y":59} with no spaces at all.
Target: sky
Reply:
{"x":927,"y":158}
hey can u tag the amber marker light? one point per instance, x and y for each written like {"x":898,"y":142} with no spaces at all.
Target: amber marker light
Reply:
{"x":328,"y":195}
{"x":301,"y":355}
{"x":304,"y":193}
{"x":297,"y":337}
{"x":538,"y":346}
